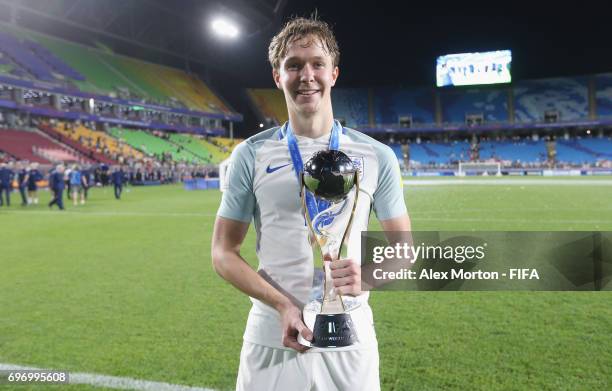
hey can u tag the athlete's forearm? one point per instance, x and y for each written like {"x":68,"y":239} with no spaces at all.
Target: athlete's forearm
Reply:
{"x":235,"y":270}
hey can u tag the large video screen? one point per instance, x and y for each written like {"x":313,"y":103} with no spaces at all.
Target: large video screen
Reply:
{"x":465,"y":69}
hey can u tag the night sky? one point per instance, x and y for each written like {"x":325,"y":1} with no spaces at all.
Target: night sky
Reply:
{"x":385,"y":43}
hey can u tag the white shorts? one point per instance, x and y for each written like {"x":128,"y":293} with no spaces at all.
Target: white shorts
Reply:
{"x":267,"y":368}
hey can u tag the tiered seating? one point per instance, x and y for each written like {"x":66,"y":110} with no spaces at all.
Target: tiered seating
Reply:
{"x":164,"y":83}
{"x":351,"y":105}
{"x":418,"y":154}
{"x":21,"y":144}
{"x":24,"y":57}
{"x":599,"y":146}
{"x":439,"y":153}
{"x":6,"y":65}
{"x":99,"y":78}
{"x":584,"y":150}
{"x":98,"y":141}
{"x":192,"y":144}
{"x":89,"y":155}
{"x":523,"y":151}
{"x":136,"y":78}
{"x":492,"y":104}
{"x":96,"y":71}
{"x":152,"y":145}
{"x":58,"y":65}
{"x":567,"y":96}
{"x":392,"y":103}
{"x":222,"y":147}
{"x":271,"y":104}
{"x":603,"y":94}
{"x":573,"y":151}
{"x":397,"y":149}
{"x":58,"y":155}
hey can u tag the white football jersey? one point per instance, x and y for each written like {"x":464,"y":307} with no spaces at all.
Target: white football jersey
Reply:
{"x":262,"y":186}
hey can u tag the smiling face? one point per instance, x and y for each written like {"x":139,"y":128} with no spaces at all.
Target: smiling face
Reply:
{"x":306,"y":75}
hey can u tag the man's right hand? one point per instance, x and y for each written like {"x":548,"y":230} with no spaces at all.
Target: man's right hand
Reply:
{"x":292,"y":324}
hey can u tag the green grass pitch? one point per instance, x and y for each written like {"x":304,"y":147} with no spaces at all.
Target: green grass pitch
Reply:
{"x":126,"y":288}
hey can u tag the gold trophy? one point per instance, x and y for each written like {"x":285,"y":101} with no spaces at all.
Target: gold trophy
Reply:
{"x":329,"y":207}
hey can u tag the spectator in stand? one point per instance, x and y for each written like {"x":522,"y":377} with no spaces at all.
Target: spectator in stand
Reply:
{"x":6,"y":182}
{"x":56,"y":184}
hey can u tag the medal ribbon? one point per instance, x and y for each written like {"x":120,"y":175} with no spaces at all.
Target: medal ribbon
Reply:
{"x":312,"y":204}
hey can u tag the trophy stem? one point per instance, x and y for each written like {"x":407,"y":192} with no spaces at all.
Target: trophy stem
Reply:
{"x":330,"y":298}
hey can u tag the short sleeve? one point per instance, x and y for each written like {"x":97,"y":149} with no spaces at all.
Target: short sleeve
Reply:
{"x":238,"y":201}
{"x":389,"y":195}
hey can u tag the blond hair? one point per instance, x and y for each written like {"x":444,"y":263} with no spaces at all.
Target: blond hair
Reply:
{"x":298,"y":28}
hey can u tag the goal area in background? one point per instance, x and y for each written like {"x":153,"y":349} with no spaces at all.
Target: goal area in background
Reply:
{"x":479,"y":168}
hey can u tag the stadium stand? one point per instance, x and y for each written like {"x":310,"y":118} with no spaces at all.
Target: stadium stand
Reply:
{"x":191,"y":144}
{"x":270,"y":103}
{"x":568,"y":97}
{"x":584,"y":151}
{"x":25,"y":145}
{"x":491,"y":104}
{"x":515,"y":151}
{"x":437,"y":153}
{"x":87,"y":154}
{"x":25,"y":57}
{"x":391,"y":104}
{"x":98,"y":141}
{"x":96,"y":71}
{"x":58,"y":65}
{"x":603,"y":95}
{"x":57,"y":155}
{"x":224,"y":146}
{"x":351,"y":106}
{"x":154,"y":146}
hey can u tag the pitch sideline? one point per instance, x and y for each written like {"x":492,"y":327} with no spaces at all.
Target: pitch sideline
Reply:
{"x":505,"y":181}
{"x":119,"y":383}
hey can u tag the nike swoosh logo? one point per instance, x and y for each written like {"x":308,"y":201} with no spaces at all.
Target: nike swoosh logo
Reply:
{"x":270,"y":170}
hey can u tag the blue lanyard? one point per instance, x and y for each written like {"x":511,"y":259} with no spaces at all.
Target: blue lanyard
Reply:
{"x":312,"y":204}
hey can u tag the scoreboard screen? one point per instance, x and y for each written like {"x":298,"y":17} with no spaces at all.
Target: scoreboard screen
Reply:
{"x":466,"y":69}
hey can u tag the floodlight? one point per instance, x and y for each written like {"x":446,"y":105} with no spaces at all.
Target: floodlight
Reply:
{"x":225,"y":28}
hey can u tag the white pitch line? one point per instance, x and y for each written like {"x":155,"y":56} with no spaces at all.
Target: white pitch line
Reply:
{"x":498,"y":182}
{"x":76,"y":212}
{"x":518,"y":220}
{"x":120,"y":383}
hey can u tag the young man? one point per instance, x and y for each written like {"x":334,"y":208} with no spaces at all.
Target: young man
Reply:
{"x":262,"y":185}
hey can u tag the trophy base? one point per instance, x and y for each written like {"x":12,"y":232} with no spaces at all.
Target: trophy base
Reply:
{"x":329,"y":330}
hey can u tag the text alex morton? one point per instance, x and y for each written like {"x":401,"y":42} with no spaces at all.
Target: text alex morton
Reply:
{"x":458,"y":254}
